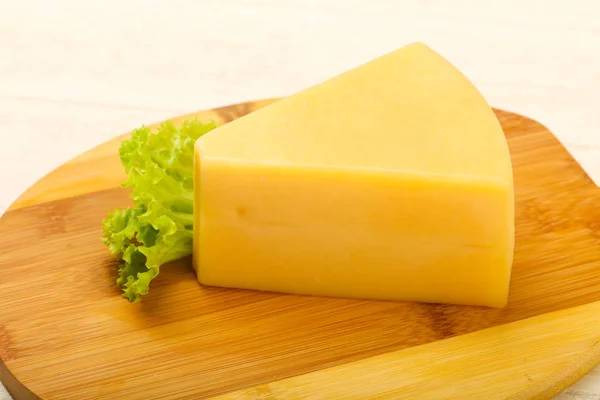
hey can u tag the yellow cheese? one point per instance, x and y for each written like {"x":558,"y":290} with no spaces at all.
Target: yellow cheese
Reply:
{"x":390,"y":181}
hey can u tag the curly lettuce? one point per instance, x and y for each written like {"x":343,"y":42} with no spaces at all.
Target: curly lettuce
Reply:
{"x":159,"y":227}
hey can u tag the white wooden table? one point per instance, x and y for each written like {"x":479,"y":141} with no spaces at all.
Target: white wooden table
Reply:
{"x":74,"y":73}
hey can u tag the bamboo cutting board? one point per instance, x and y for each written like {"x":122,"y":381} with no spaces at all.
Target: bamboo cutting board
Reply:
{"x":65,"y":332}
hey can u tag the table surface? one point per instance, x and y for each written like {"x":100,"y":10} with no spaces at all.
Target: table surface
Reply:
{"x":75,"y":73}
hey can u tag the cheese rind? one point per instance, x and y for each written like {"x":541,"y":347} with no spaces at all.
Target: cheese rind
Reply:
{"x":391,"y":181}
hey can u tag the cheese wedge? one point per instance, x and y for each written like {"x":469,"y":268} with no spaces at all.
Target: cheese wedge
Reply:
{"x":390,"y":181}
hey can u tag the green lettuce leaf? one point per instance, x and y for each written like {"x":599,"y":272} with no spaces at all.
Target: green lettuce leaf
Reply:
{"x":159,"y":227}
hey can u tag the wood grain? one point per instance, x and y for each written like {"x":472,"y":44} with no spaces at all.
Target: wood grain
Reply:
{"x":66,"y":333}
{"x":489,"y":364}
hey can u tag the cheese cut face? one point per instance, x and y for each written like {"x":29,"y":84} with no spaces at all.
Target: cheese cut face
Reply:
{"x":390,"y":181}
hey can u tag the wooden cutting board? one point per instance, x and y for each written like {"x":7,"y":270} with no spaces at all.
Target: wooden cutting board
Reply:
{"x":65,"y":332}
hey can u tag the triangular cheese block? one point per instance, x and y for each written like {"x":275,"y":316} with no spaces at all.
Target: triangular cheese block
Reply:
{"x":390,"y":181}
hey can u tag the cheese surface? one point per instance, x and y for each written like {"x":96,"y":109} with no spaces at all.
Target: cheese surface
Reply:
{"x":390,"y":181}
